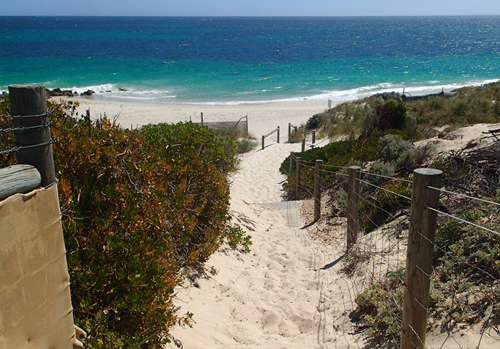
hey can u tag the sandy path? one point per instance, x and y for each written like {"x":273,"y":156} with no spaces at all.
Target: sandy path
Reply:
{"x":277,"y":296}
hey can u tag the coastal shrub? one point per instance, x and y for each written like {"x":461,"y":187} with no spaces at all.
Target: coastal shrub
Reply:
{"x":392,"y":148}
{"x":341,"y":198}
{"x":7,"y":139}
{"x":390,"y":116}
{"x":378,"y":208}
{"x":313,"y":122}
{"x":244,"y":142}
{"x":347,"y":118}
{"x":237,"y":239}
{"x":469,"y":105}
{"x":379,"y":169}
{"x":246,"y":145}
{"x":140,"y":208}
{"x":398,"y":152}
{"x":140,"y":211}
{"x":377,"y":312}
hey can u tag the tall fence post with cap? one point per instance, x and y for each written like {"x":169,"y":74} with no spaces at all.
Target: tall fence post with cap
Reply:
{"x":29,"y":104}
{"x":297,"y":177}
{"x":419,"y":256}
{"x":317,"y":190}
{"x":353,"y":205}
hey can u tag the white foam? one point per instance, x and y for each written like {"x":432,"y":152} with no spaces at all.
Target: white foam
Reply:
{"x":112,"y":91}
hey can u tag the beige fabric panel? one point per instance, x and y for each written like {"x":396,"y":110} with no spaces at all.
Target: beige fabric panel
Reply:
{"x":35,"y":303}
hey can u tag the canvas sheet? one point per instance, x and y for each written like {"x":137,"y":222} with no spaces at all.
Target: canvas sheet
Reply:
{"x":35,"y":303}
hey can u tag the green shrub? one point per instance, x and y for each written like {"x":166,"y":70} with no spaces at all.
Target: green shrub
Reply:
{"x":237,"y":239}
{"x":380,"y":168}
{"x":246,"y":145}
{"x":379,"y":308}
{"x":376,"y":210}
{"x":341,"y":198}
{"x":398,"y":152}
{"x":140,"y":209}
{"x":392,"y":148}
{"x":313,"y":122}
{"x":390,"y":116}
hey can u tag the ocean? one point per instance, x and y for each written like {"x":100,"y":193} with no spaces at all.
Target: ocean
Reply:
{"x":229,"y":60}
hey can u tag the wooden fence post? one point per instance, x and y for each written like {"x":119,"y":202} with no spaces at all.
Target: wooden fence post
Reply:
{"x":263,"y":142}
{"x":289,"y":131}
{"x":278,"y":135}
{"x":419,"y":256}
{"x":330,"y":125}
{"x":297,"y":177}
{"x":30,"y":100}
{"x":291,"y":164}
{"x":303,"y":144}
{"x":313,"y":137}
{"x":353,"y":205}
{"x":317,"y":190}
{"x":202,"y":119}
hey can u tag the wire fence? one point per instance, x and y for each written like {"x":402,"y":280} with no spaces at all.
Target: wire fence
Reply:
{"x":403,"y":283}
{"x":9,"y":127}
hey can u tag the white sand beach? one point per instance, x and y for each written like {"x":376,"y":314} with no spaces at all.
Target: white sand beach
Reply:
{"x":286,"y":293}
{"x":262,"y":118}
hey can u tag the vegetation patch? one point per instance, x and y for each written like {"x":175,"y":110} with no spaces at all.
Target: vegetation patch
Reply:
{"x":140,"y":210}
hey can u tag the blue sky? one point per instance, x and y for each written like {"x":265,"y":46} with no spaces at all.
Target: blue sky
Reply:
{"x":250,"y":7}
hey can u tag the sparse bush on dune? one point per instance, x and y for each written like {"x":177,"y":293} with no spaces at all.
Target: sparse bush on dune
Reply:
{"x":468,"y":106}
{"x":313,"y":122}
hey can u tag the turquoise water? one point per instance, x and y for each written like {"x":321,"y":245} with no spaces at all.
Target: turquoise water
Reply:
{"x":229,"y":60}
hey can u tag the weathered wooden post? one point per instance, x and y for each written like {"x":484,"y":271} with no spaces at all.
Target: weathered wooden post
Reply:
{"x":29,"y":102}
{"x":289,"y":131}
{"x":419,"y":256}
{"x":201,"y":119}
{"x":263,"y":137}
{"x":297,"y":177}
{"x":313,"y":137}
{"x":278,"y":134}
{"x":291,"y":163}
{"x":317,"y":190}
{"x":330,"y":121}
{"x":353,"y":205}
{"x":303,"y":144}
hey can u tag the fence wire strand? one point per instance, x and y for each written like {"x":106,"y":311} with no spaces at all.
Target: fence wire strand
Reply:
{"x":464,"y":195}
{"x":464,"y":221}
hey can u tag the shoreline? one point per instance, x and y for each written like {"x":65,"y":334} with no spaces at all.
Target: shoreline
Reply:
{"x":123,"y":93}
{"x":262,"y":118}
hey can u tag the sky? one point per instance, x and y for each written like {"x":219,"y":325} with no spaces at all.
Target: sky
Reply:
{"x":250,"y":8}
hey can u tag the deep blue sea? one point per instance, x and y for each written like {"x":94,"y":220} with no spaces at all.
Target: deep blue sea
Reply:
{"x":227,"y":60}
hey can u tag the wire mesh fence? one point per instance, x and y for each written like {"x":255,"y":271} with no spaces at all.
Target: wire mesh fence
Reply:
{"x":443,"y":294}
